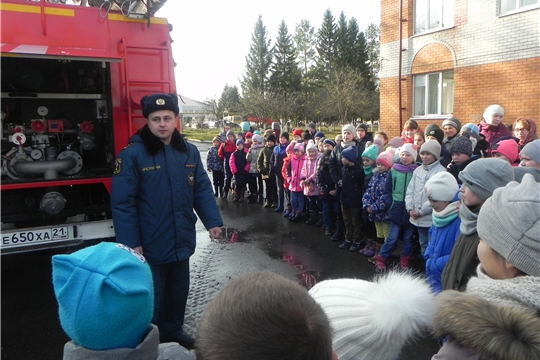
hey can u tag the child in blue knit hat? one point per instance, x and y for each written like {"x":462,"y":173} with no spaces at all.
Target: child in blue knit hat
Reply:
{"x":105,"y":300}
{"x":352,"y":189}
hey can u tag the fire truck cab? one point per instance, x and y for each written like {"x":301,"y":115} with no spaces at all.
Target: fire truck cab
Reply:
{"x":72,"y":78}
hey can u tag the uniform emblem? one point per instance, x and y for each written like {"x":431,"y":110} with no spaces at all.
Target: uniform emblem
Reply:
{"x":117,"y":166}
{"x":191,"y":178}
{"x":160,"y":102}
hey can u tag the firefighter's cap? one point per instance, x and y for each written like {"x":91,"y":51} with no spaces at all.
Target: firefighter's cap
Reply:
{"x":156,"y":102}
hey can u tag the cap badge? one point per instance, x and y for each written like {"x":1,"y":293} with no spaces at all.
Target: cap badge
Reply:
{"x":160,"y":102}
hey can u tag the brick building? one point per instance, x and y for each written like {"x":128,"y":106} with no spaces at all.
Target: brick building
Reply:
{"x":457,"y":58}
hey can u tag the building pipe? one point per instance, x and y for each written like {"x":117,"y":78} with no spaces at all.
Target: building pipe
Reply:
{"x":400,"y":100}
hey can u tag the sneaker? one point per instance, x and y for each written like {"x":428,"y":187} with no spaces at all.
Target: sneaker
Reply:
{"x":366,"y":248}
{"x":369,"y":252}
{"x":328,"y":231}
{"x":286,"y":213}
{"x":355,"y":247}
{"x":279,"y":209}
{"x":345,"y":245}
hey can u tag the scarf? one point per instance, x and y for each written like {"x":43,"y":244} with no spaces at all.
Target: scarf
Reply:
{"x":446,"y":216}
{"x":368,"y":170}
{"x":468,"y":218}
{"x":347,"y":144}
{"x":521,"y":291}
{"x":405,"y":168}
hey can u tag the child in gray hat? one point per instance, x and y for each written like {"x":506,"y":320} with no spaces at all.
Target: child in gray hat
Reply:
{"x":497,"y":317}
{"x":480,"y":178}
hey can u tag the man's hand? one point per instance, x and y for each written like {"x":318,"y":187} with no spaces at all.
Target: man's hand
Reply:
{"x":138,"y":249}
{"x":214,"y":232}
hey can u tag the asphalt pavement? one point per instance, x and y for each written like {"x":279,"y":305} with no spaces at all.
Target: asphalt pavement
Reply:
{"x":254,"y":238}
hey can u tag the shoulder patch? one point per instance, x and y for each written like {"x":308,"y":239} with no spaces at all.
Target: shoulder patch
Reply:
{"x":118,"y":166}
{"x":128,"y":145}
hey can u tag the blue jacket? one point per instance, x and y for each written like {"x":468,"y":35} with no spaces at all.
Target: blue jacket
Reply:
{"x":373,"y":197}
{"x":155,"y":189}
{"x":352,"y":186}
{"x":441,"y":243}
{"x":213,"y":161}
{"x":280,"y":151}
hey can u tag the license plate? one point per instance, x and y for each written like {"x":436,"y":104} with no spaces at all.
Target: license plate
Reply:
{"x":34,"y":236}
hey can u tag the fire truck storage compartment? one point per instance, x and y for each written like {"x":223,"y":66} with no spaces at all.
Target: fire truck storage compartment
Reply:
{"x":56,"y":125}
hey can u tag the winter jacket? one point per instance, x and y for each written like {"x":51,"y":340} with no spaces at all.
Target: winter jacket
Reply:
{"x":213,"y":161}
{"x":362,"y":142}
{"x":445,"y":157}
{"x":279,"y":153}
{"x":284,"y":170}
{"x":455,"y":169}
{"x":442,"y":237}
{"x":148,"y":349}
{"x":264,"y":163}
{"x":480,"y":329}
{"x":335,"y":165}
{"x":373,"y":197}
{"x":462,"y":263}
{"x":240,"y":166}
{"x":155,"y":189}
{"x":394,"y":192}
{"x":492,"y":133}
{"x":325,"y":183}
{"x":294,"y":169}
{"x":416,"y":199}
{"x":352,"y":178}
{"x":252,"y":156}
{"x":309,"y":175}
{"x":447,"y":142}
{"x":225,"y":151}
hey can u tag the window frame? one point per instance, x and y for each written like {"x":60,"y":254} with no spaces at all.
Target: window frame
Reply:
{"x":427,"y":93}
{"x":519,"y":7}
{"x":446,"y":5}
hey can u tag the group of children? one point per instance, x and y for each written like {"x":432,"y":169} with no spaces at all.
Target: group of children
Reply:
{"x":370,"y":194}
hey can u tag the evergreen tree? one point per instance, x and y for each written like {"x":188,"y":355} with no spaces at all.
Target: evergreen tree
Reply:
{"x":258,"y":61}
{"x":305,"y":40}
{"x":285,"y":74}
{"x":326,"y":46}
{"x":255,"y":80}
{"x":373,"y":50}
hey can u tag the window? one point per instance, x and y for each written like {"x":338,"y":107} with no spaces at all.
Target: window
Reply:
{"x":434,"y":14}
{"x":508,"y":6}
{"x":433,"y":94}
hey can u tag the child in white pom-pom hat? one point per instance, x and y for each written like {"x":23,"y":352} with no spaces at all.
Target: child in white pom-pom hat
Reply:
{"x":374,"y":320}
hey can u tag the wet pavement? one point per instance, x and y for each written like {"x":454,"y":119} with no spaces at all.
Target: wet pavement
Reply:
{"x":254,"y":238}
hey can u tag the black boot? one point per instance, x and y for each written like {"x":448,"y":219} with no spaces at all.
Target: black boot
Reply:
{"x":267,"y":203}
{"x":224,"y":193}
{"x":312,"y":217}
{"x":221,"y":191}
{"x":321,"y":221}
{"x":338,"y":235}
{"x":260,"y":199}
{"x":252,"y":198}
{"x":216,"y":190}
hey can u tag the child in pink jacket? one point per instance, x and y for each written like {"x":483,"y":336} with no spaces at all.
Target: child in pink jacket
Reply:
{"x":294,"y":171}
{"x":309,"y":181}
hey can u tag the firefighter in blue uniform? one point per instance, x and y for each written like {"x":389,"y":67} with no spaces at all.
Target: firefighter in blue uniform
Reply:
{"x":158,"y":181}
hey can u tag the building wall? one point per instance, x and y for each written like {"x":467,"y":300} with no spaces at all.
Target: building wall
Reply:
{"x":496,"y":59}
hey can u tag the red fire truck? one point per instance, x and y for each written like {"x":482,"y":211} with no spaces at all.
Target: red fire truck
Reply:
{"x":72,"y":78}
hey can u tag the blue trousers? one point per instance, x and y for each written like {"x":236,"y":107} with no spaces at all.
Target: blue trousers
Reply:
{"x":330,"y":211}
{"x":171,"y":288}
{"x":393,"y":235}
{"x":423,"y":238}
{"x":297,"y":201}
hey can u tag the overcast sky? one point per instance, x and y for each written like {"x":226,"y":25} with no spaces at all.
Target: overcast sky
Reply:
{"x":212,"y":37}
